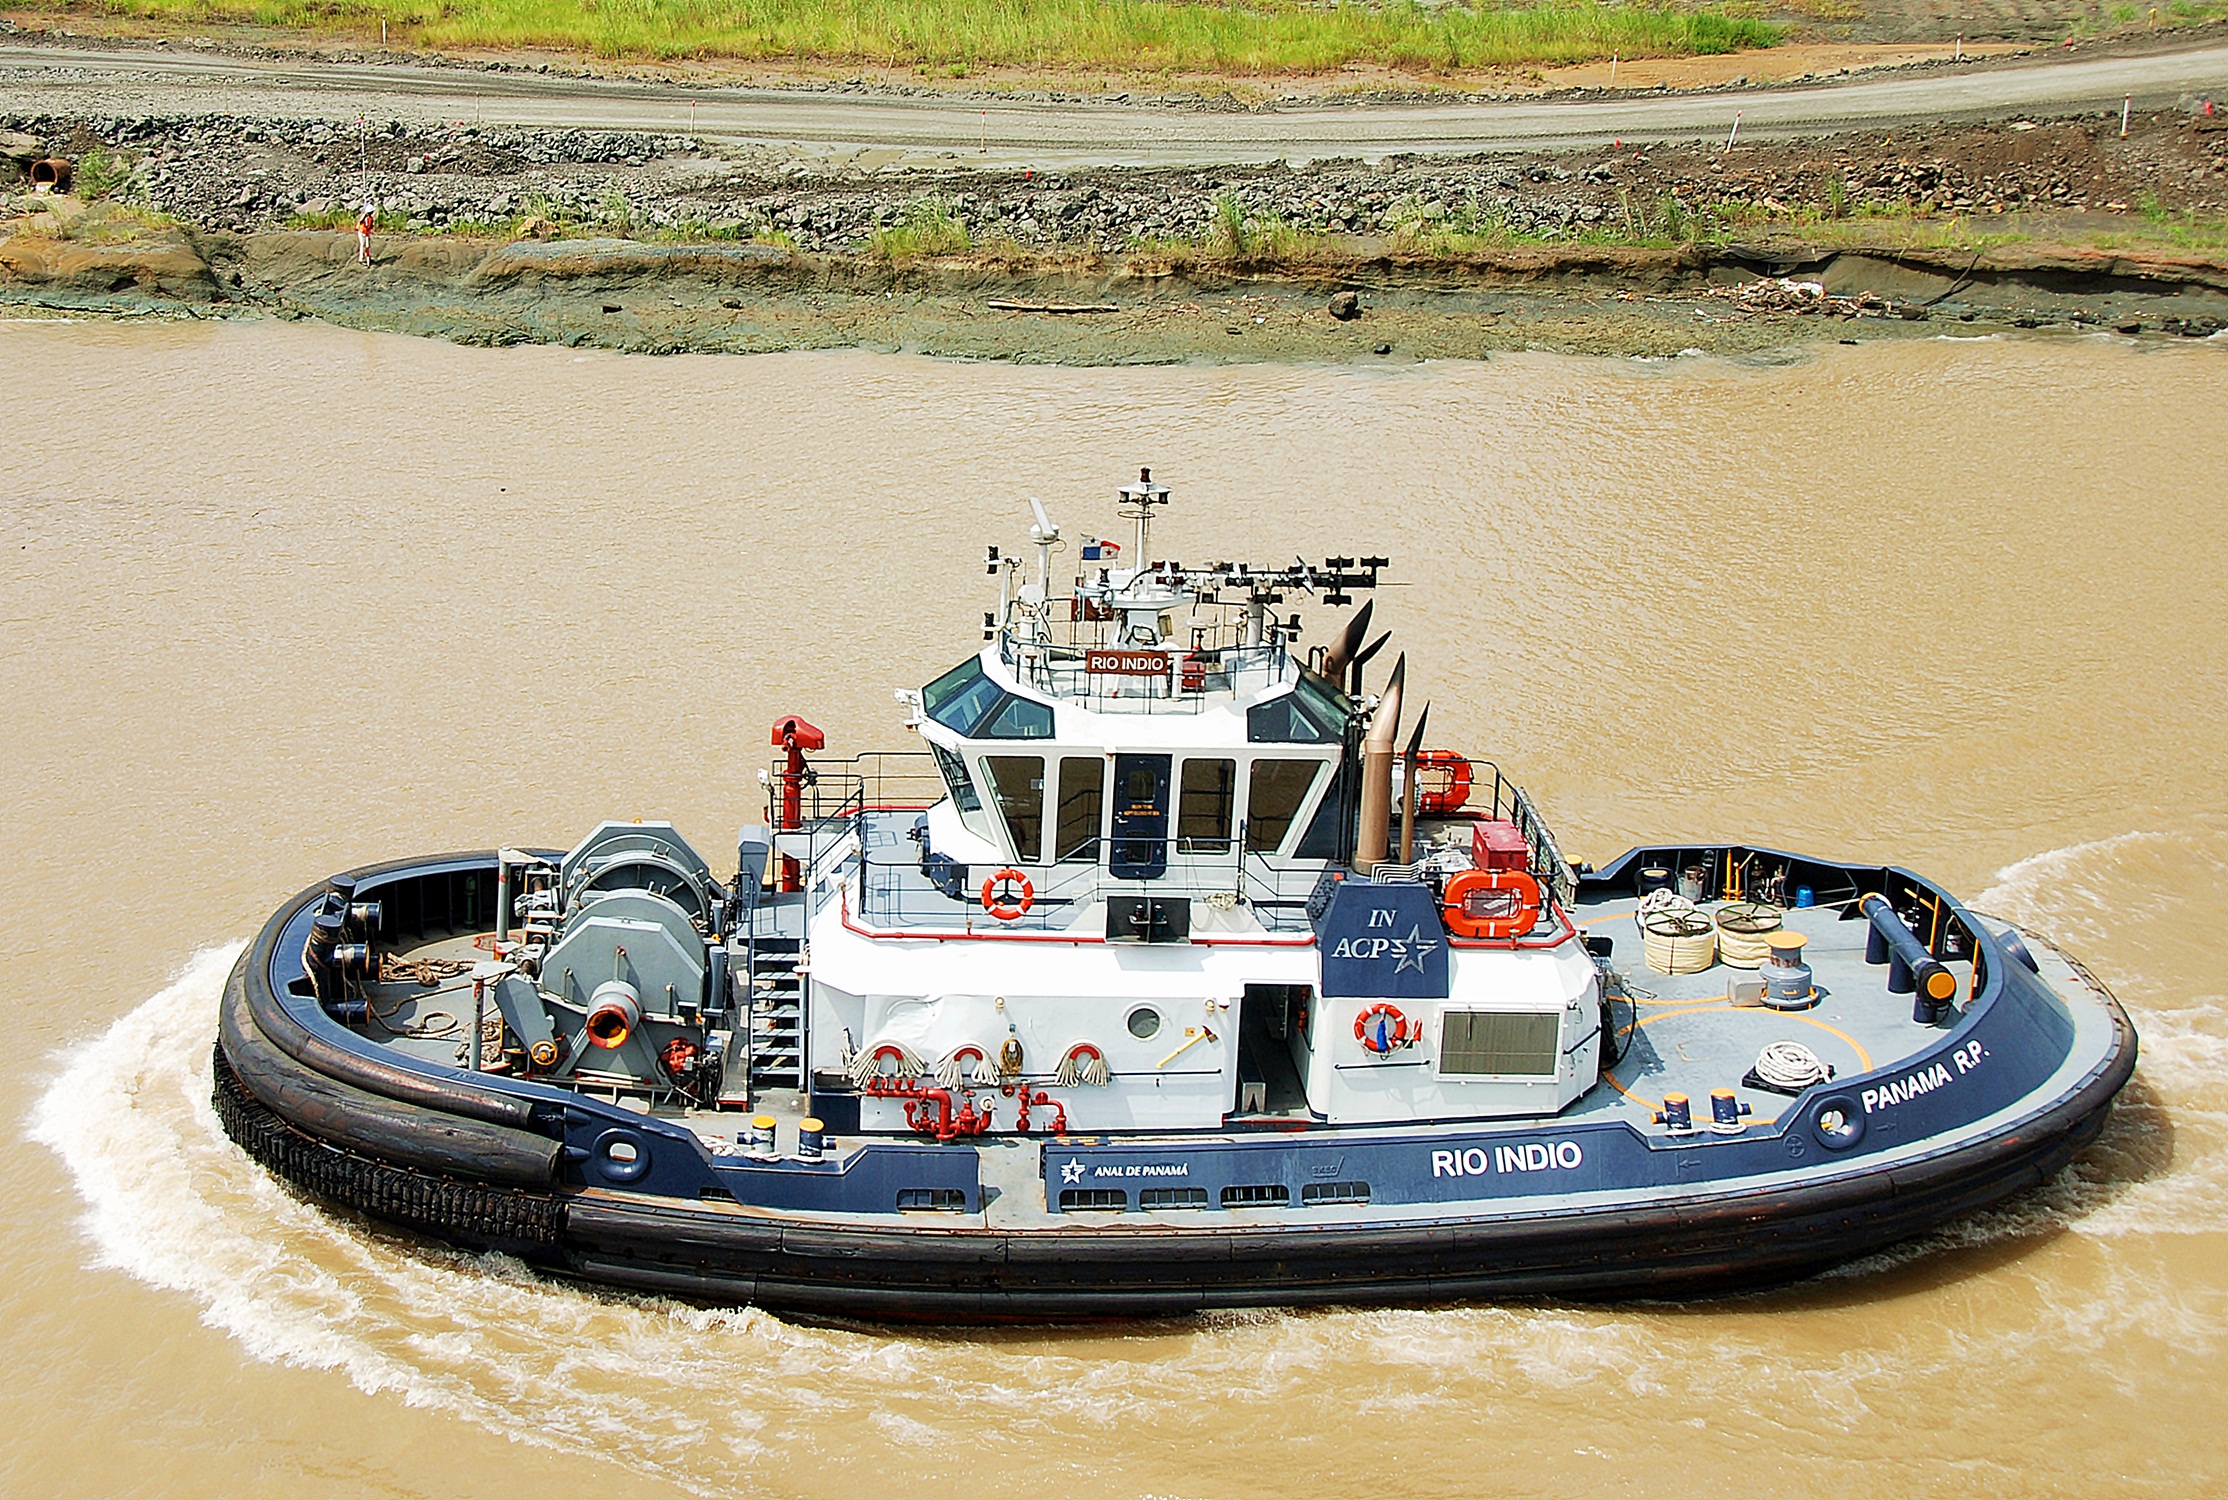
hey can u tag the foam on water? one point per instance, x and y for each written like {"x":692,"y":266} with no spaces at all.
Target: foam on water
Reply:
{"x":740,"y":1402}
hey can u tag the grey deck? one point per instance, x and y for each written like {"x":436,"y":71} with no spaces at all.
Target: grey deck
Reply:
{"x":1690,"y":1040}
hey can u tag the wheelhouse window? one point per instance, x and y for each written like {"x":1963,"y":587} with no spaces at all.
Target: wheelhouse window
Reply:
{"x":962,"y":785}
{"x":1203,"y":805}
{"x":968,"y":700}
{"x":1082,"y":800}
{"x":1018,"y":719}
{"x":961,"y":698}
{"x":1311,"y":714}
{"x":1017,"y":784}
{"x":1276,"y":792}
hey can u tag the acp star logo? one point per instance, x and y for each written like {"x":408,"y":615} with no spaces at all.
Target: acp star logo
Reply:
{"x":1418,"y":947}
{"x":1071,"y":1171}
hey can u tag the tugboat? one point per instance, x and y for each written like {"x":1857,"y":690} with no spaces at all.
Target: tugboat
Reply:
{"x":1165,"y":975}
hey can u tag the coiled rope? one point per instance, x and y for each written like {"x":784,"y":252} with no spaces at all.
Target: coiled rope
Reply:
{"x":1741,"y":930}
{"x":395,"y":969}
{"x":1675,"y":937}
{"x":1790,"y":1067}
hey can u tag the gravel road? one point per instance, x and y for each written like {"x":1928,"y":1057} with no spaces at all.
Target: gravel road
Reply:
{"x":870,"y":129}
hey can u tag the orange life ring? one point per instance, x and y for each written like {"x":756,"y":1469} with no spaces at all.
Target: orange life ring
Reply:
{"x":1492,"y":904}
{"x":1391,"y":1031}
{"x":1000,"y":904}
{"x":1442,"y":781}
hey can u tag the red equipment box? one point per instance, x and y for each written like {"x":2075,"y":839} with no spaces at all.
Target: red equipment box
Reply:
{"x":1496,"y":845}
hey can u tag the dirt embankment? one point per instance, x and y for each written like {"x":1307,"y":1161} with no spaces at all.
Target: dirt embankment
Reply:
{"x":504,"y":236}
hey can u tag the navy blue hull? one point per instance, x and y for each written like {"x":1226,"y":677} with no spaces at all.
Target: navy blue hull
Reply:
{"x":906,"y":1270}
{"x":494,"y":1163}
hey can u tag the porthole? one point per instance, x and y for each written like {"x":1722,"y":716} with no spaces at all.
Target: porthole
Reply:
{"x":1144,"y":1022}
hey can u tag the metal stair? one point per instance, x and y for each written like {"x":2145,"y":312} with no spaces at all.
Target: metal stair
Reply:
{"x":777,"y":1014}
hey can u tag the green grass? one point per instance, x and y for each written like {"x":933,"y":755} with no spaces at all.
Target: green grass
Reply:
{"x":343,"y":216}
{"x":1238,"y":239}
{"x":105,"y":222}
{"x":2183,"y":229}
{"x":102,"y":173}
{"x":929,"y":226}
{"x":956,"y":36}
{"x":2148,"y":17}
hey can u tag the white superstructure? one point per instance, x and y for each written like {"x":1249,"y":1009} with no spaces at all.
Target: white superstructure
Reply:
{"x":1147,"y":895}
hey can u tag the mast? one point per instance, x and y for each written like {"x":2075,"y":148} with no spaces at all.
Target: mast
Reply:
{"x":1141,"y":497}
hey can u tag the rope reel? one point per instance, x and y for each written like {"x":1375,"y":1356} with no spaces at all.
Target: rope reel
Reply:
{"x":1676,"y":937}
{"x":1742,"y":932}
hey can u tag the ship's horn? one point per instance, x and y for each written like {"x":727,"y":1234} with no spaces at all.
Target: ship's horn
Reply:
{"x":1377,"y":773}
{"x":1408,"y":789}
{"x":1342,"y":649}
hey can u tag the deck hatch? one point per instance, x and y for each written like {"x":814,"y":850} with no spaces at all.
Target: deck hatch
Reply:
{"x":1499,"y":1044}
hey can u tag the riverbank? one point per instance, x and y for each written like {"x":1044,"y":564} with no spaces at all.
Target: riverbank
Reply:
{"x":508,"y":235}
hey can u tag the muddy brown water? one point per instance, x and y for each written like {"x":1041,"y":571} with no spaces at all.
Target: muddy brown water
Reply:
{"x":279,"y":599}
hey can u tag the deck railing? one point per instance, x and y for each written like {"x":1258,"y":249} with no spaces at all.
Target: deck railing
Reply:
{"x":893,"y":888}
{"x":1061,"y":671}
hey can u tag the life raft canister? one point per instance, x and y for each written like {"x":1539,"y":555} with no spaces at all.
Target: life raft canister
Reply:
{"x":1442,"y":781}
{"x":1007,"y":894}
{"x":1492,"y":904}
{"x":1383,"y":1029}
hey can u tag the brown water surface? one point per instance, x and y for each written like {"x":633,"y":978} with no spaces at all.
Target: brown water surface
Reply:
{"x":277,"y":600}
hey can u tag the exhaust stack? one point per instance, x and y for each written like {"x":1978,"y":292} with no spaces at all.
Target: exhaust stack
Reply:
{"x":1408,"y":789}
{"x":1377,"y":773}
{"x":1342,"y":649}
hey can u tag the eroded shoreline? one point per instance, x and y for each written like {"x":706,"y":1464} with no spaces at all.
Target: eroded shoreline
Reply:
{"x":670,"y":244}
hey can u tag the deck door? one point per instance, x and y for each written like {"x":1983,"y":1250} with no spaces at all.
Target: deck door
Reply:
{"x":1140,"y":829}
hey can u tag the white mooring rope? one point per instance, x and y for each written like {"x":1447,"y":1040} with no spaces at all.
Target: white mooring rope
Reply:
{"x":1790,"y":1066}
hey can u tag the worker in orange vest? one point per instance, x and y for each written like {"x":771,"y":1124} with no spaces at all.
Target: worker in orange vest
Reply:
{"x":364,"y":222}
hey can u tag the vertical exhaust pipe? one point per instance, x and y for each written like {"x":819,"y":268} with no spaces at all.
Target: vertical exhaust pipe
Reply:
{"x":1377,"y":773}
{"x":1342,"y":650}
{"x":1361,"y":660}
{"x":1408,"y":789}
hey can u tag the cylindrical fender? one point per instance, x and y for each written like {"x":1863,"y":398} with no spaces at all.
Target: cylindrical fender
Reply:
{"x":374,"y":1075}
{"x":326,"y":1109}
